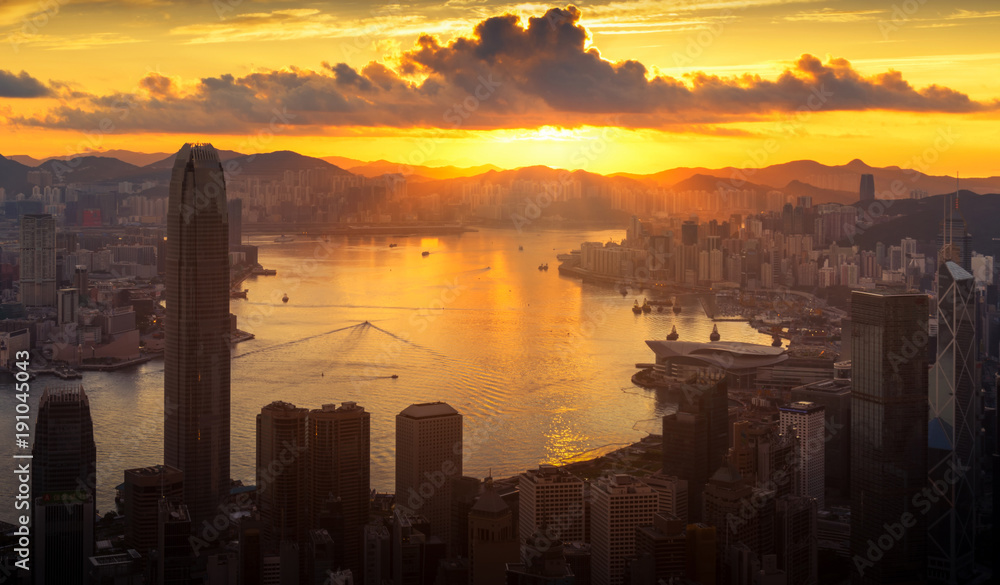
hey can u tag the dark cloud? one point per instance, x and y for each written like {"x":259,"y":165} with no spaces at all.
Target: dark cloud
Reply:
{"x":505,"y":76}
{"x":21,"y":86}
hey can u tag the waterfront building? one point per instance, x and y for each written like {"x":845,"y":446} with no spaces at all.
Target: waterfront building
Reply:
{"x":551,"y":500}
{"x":619,"y":504}
{"x":143,"y":489}
{"x":196,"y":369}
{"x":281,"y":474}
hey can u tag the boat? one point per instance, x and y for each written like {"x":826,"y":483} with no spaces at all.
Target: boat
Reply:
{"x":623,"y":290}
{"x":645,"y":306}
{"x":659,"y":308}
{"x":394,"y":376}
{"x":672,"y":336}
{"x":541,"y":267}
{"x":393,"y":245}
{"x":284,"y":299}
{"x":425,"y":253}
{"x":714,"y":336}
{"x":520,"y":248}
{"x":545,"y":266}
{"x":636,"y":308}
{"x":283,"y":238}
{"x":776,"y":342}
{"x":677,"y":307}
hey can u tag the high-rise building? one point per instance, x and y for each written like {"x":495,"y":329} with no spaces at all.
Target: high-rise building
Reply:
{"x":888,"y":448}
{"x":281,"y":473}
{"x":493,"y":541}
{"x":196,"y":371}
{"x":428,"y":454}
{"x":795,"y":538}
{"x":806,"y":422}
{"x":867,"y":188}
{"x":550,"y":500}
{"x":701,"y":553}
{"x":68,"y":305}
{"x":954,"y":429}
{"x":665,"y":540}
{"x":63,"y":483}
{"x":619,"y":504}
{"x":235,"y":222}
{"x":38,"y":260}
{"x":673,"y":495}
{"x":174,"y":555}
{"x":340,"y":470}
{"x":698,"y":435}
{"x":742,"y":513}
{"x":835,"y":396}
{"x":144,"y":489}
{"x":954,"y":240}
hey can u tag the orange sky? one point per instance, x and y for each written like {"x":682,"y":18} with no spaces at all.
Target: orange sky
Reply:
{"x":708,"y":84}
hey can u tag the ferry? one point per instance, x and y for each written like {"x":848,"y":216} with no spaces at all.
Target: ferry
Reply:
{"x":714,"y":336}
{"x":393,"y":245}
{"x":543,"y":266}
{"x":645,"y":307}
{"x":672,"y":336}
{"x":520,"y":248}
{"x":425,"y":253}
{"x":283,"y":238}
{"x":284,"y":299}
{"x":636,"y":308}
{"x":677,"y":307}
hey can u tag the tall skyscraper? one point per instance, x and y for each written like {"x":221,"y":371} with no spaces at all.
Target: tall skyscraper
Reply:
{"x":619,"y":504}
{"x":64,"y":479}
{"x":954,"y":240}
{"x":145,"y":488}
{"x":867,"y":188}
{"x":235,"y":222}
{"x":806,"y":422}
{"x":196,"y":398}
{"x":550,"y":499}
{"x":493,"y":541}
{"x":428,"y":454}
{"x":38,"y":260}
{"x":888,"y":447}
{"x":698,"y":435}
{"x":339,"y":470}
{"x":281,"y":473}
{"x":953,"y":430}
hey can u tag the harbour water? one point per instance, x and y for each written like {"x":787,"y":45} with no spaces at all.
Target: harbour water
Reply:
{"x":539,"y":364}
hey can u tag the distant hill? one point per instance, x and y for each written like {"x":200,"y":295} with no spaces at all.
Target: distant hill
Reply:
{"x":14,"y":177}
{"x":88,"y":169}
{"x":139,"y":159}
{"x":417,"y":172}
{"x":921,"y":220}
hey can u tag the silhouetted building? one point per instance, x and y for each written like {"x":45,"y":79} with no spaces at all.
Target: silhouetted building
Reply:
{"x":174,"y":555}
{"x":551,"y":499}
{"x":493,"y":541}
{"x":806,"y":422}
{"x":698,"y":435}
{"x":888,"y":447}
{"x":144,"y":489}
{"x":428,"y":454}
{"x":619,"y":504}
{"x":795,"y":538}
{"x":701,"y":553}
{"x":867,"y":188}
{"x":954,"y":430}
{"x":544,"y":564}
{"x":835,"y":396}
{"x":196,"y":371}
{"x":235,"y":222}
{"x":339,"y":470}
{"x":281,"y":474}
{"x":665,"y":541}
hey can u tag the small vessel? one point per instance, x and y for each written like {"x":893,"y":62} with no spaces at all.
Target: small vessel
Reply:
{"x":636,"y":308}
{"x":520,"y":248}
{"x":393,"y":245}
{"x":645,"y":306}
{"x":545,"y":266}
{"x":283,"y":238}
{"x":672,"y":336}
{"x":659,"y":308}
{"x":623,"y":290}
{"x":714,"y":336}
{"x":394,"y":376}
{"x":425,"y":253}
{"x":677,"y":307}
{"x":284,"y":299}
{"x":776,"y":342}
{"x":541,"y":267}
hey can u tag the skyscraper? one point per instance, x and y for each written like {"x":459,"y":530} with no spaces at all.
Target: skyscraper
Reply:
{"x":339,"y":469}
{"x":64,"y":479}
{"x":145,"y":488}
{"x":954,"y":240}
{"x":867,"y":188}
{"x":888,"y":446}
{"x":428,"y":454}
{"x":805,"y":420}
{"x":281,"y":473}
{"x":550,"y":500}
{"x":38,"y":260}
{"x":953,"y":430}
{"x":493,"y":541}
{"x":619,"y":504}
{"x":196,"y":368}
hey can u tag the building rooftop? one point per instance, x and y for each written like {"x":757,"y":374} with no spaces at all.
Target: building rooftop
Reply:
{"x":802,"y":407}
{"x":728,"y":355}
{"x":428,"y":410}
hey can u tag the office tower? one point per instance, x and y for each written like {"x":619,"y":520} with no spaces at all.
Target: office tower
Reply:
{"x":805,"y":421}
{"x":415,"y":555}
{"x":551,"y":500}
{"x":795,"y":538}
{"x":321,"y":556}
{"x":464,"y":492}
{"x":701,"y":553}
{"x":673,"y":494}
{"x":144,"y":489}
{"x":698,"y":437}
{"x":665,"y":540}
{"x":954,"y":240}
{"x":867,"y":188}
{"x":63,"y":483}
{"x":619,"y":503}
{"x":235,"y":222}
{"x":428,"y":454}
{"x":888,"y":448}
{"x":377,"y":554}
{"x":835,"y":396}
{"x":68,"y":306}
{"x":741,"y":512}
{"x":38,"y":260}
{"x":174,"y":555}
{"x":493,"y":541}
{"x":251,"y":557}
{"x":339,"y":470}
{"x":281,"y":473}
{"x":953,"y":431}
{"x":196,"y":395}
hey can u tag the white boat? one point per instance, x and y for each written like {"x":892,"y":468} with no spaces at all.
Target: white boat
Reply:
{"x":283,"y":238}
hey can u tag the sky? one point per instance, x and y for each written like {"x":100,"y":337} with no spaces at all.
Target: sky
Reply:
{"x":609,"y":86}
